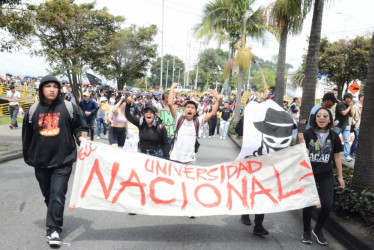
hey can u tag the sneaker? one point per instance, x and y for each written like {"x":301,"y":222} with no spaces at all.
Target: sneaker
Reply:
{"x":11,"y":126}
{"x":191,"y":217}
{"x":221,"y":138}
{"x":204,"y":136}
{"x":353,"y":156}
{"x":259,"y":230}
{"x":224,"y":138}
{"x":106,"y":136}
{"x":348,"y":158}
{"x":98,"y":138}
{"x":54,"y":239}
{"x":307,"y":238}
{"x":245,"y":219}
{"x":319,"y":237}
{"x":210,"y":137}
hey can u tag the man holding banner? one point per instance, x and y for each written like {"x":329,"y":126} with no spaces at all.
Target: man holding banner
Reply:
{"x":265,"y":128}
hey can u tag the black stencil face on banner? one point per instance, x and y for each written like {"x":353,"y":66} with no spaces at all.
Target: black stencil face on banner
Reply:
{"x":276,"y":130}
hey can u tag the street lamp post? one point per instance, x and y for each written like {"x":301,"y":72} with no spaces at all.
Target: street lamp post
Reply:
{"x":167,"y":72}
{"x":179,"y":74}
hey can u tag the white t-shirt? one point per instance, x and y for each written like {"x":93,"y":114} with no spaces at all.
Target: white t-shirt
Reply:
{"x":13,"y":97}
{"x":184,"y":145}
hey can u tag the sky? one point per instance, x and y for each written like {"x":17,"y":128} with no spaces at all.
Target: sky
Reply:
{"x":341,"y":19}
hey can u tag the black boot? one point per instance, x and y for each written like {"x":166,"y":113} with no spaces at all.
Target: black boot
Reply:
{"x":245,"y":219}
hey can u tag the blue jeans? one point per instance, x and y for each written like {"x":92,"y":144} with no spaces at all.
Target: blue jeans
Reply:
{"x":355,"y":141}
{"x":155,"y":152}
{"x":346,"y":132}
{"x":53,"y":183}
{"x":224,"y":127}
{"x":99,"y":122}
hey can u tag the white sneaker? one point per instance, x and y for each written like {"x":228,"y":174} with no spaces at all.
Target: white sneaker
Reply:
{"x":210,"y":137}
{"x":98,"y":138}
{"x":224,"y":138}
{"x":348,"y":158}
{"x":106,"y":136}
{"x":54,"y":239}
{"x":220,"y":137}
{"x":204,"y":136}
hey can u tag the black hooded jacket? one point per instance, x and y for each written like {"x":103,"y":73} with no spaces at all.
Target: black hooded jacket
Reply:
{"x":49,"y":141}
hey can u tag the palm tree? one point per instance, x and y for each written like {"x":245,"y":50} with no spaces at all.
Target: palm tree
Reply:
{"x":311,"y":67}
{"x":297,"y":79}
{"x":363,"y":177}
{"x":285,"y":17}
{"x":236,"y":19}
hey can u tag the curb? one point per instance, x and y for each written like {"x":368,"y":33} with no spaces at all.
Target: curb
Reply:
{"x":11,"y":155}
{"x":341,"y":230}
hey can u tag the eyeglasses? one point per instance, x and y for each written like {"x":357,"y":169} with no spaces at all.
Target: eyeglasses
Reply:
{"x":324,"y":115}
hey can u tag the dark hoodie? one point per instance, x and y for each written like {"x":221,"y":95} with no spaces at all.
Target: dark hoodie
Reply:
{"x":48,"y":141}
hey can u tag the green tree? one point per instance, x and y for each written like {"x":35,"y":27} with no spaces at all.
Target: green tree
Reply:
{"x":156,"y":67}
{"x":285,"y":17}
{"x":256,"y":81}
{"x":363,"y":178}
{"x":311,"y":67}
{"x":209,"y":71}
{"x":73,"y":36}
{"x":15,"y":24}
{"x":133,"y":49}
{"x":345,"y":60}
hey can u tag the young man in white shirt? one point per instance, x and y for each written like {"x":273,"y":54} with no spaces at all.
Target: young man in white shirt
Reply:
{"x":14,"y":97}
{"x":184,"y":144}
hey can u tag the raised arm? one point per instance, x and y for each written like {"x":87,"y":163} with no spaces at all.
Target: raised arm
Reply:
{"x":215,"y":107}
{"x":173,"y":110}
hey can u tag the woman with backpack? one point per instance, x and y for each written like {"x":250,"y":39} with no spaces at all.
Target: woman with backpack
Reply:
{"x":153,"y":137}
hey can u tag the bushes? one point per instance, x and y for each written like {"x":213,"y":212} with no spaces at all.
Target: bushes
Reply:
{"x":348,"y":202}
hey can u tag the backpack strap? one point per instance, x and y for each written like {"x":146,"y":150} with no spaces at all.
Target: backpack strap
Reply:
{"x":69,"y":107}
{"x":180,"y":122}
{"x":197,"y":125}
{"x":32,"y":111}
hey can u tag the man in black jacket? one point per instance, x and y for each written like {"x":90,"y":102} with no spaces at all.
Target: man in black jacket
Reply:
{"x":50,"y":131}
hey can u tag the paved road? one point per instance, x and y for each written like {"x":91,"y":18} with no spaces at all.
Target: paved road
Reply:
{"x":22,"y":219}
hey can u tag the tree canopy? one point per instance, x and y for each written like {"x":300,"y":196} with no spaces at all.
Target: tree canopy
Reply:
{"x":345,"y":60}
{"x":133,"y":49}
{"x":73,"y":36}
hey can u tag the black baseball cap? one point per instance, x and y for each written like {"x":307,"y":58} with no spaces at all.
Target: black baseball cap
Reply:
{"x":330,"y":96}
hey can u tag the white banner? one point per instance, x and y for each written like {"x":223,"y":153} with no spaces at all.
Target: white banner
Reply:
{"x":267,"y":128}
{"x":113,"y":179}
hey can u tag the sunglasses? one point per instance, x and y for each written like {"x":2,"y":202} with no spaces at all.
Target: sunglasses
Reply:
{"x":324,"y":115}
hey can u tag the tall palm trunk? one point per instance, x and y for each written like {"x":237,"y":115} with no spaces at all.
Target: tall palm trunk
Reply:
{"x":281,"y":66}
{"x":311,"y":68}
{"x":363,"y":177}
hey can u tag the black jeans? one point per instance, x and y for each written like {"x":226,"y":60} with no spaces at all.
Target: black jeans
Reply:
{"x":325,"y":187}
{"x":212,"y":126}
{"x":53,"y":183}
{"x":91,"y":125}
{"x":117,"y":136}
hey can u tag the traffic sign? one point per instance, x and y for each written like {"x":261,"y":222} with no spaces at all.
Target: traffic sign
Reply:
{"x":354,"y":87}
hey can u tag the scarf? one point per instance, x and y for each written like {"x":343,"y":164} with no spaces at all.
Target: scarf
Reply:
{"x":322,"y":135}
